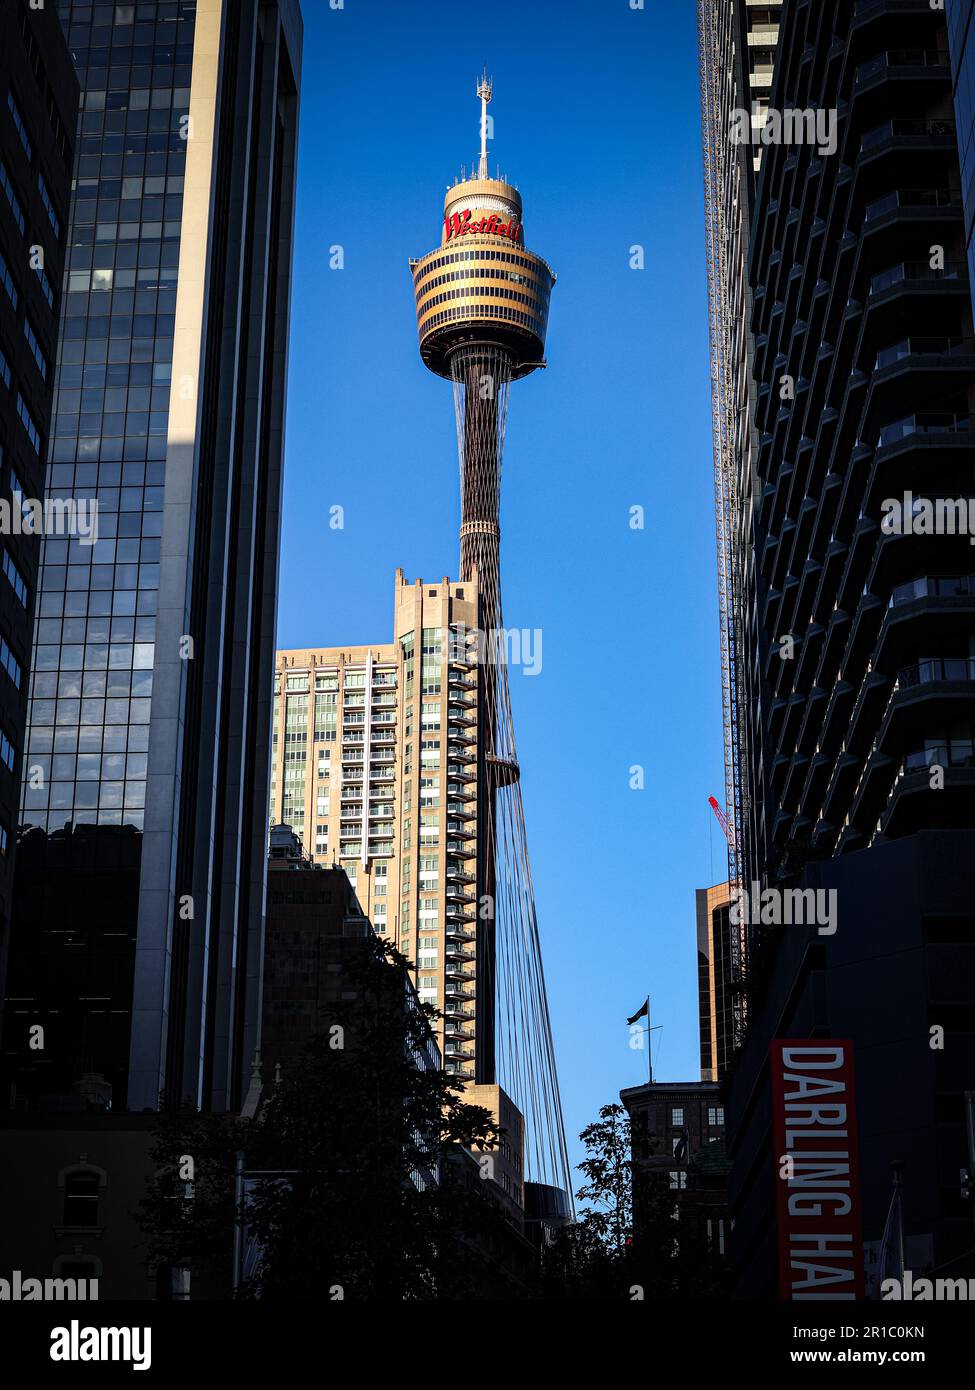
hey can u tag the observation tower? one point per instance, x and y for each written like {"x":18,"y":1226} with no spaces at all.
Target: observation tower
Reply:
{"x":482,"y":301}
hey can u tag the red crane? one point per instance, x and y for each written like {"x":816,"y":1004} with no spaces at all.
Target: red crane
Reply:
{"x":722,"y":821}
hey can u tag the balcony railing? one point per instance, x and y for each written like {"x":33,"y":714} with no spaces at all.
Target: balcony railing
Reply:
{"x":933,"y":422}
{"x":912,"y":198}
{"x":918,"y":347}
{"x":937,"y":668}
{"x":960,"y":752}
{"x":899,"y":58}
{"x":916,"y":270}
{"x":905,"y":126}
{"x":934,"y":586}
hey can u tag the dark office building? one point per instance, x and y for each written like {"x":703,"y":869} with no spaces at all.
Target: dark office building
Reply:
{"x":314,"y":927}
{"x":38,"y":108}
{"x":139,"y":903}
{"x":678,"y":1138}
{"x":864,"y":650}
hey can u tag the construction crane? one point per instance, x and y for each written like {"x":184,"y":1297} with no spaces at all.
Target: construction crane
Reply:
{"x":722,"y":819}
{"x":715,"y":45}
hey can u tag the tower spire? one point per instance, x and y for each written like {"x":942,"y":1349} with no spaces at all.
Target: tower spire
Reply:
{"x":485,"y":90}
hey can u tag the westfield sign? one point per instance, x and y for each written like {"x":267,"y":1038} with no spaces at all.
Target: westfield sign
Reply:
{"x":461,"y":224}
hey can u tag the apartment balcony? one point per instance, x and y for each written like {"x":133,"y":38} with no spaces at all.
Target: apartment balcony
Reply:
{"x":458,"y":993}
{"x":462,"y":752}
{"x":913,"y":371}
{"x":460,"y":876}
{"x":454,"y":1029}
{"x":902,"y":135}
{"x":908,"y":78}
{"x":933,"y":301}
{"x":455,"y":895}
{"x":456,"y":1012}
{"x":925,"y":611}
{"x":901,"y":18}
{"x":461,"y":771}
{"x":933,"y":788}
{"x":933,"y":693}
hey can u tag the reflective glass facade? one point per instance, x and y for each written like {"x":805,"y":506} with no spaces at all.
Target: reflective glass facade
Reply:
{"x":91,"y":690}
{"x":137,"y":936}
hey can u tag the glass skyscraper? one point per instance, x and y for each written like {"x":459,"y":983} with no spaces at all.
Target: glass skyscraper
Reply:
{"x":139,"y":901}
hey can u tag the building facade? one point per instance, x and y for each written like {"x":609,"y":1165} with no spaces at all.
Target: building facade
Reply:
{"x":961,"y":45}
{"x":677,"y":1130}
{"x":864,"y":373}
{"x":374,"y":766}
{"x":38,"y":110}
{"x":719,"y":981}
{"x":737,"y":45}
{"x":138,"y":916}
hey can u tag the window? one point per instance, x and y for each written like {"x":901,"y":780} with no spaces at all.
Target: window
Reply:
{"x":4,"y":370}
{"x":18,"y":121}
{"x":715,"y":1114}
{"x":9,"y":662}
{"x":12,"y":198}
{"x":17,"y":581}
{"x":35,"y":347}
{"x":678,"y":1180}
{"x":49,"y":207}
{"x":81,"y":1198}
{"x":46,"y":289}
{"x":677,"y":1115}
{"x":6,"y":280}
{"x":27,"y":420}
{"x":7,"y":751}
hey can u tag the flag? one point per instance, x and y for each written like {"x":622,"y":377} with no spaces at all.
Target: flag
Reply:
{"x":680,"y":1148}
{"x":642,"y":1012}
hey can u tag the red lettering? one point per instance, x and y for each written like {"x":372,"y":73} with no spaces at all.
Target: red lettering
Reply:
{"x":460,"y":224}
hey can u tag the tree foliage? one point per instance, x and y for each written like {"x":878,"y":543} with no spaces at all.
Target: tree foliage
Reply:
{"x":333,"y":1207}
{"x":627,"y":1242}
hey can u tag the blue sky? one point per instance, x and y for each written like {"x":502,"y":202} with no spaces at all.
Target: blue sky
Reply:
{"x":596,"y":120}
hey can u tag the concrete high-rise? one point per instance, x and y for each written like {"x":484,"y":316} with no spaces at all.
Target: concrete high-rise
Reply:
{"x":139,"y":901}
{"x":372,"y":766}
{"x":737,"y":44}
{"x":861,"y":605}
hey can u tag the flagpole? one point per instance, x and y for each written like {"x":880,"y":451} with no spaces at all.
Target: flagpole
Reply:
{"x":649,"y":1045}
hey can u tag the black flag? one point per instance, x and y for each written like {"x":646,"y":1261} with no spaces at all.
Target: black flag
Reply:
{"x":642,"y":1012}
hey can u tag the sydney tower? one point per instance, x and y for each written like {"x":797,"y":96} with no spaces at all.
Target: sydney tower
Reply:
{"x":482,"y":304}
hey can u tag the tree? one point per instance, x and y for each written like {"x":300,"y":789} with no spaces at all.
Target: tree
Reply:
{"x":340,"y":1140}
{"x":627,"y":1242}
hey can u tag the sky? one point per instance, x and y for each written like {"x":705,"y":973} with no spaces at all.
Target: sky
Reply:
{"x":596,"y":121}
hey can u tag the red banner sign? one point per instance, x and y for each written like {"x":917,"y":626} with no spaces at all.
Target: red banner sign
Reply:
{"x":814,"y":1132}
{"x":461,"y":224}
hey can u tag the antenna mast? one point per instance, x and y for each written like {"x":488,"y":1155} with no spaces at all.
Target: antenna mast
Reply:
{"x":485,"y":90}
